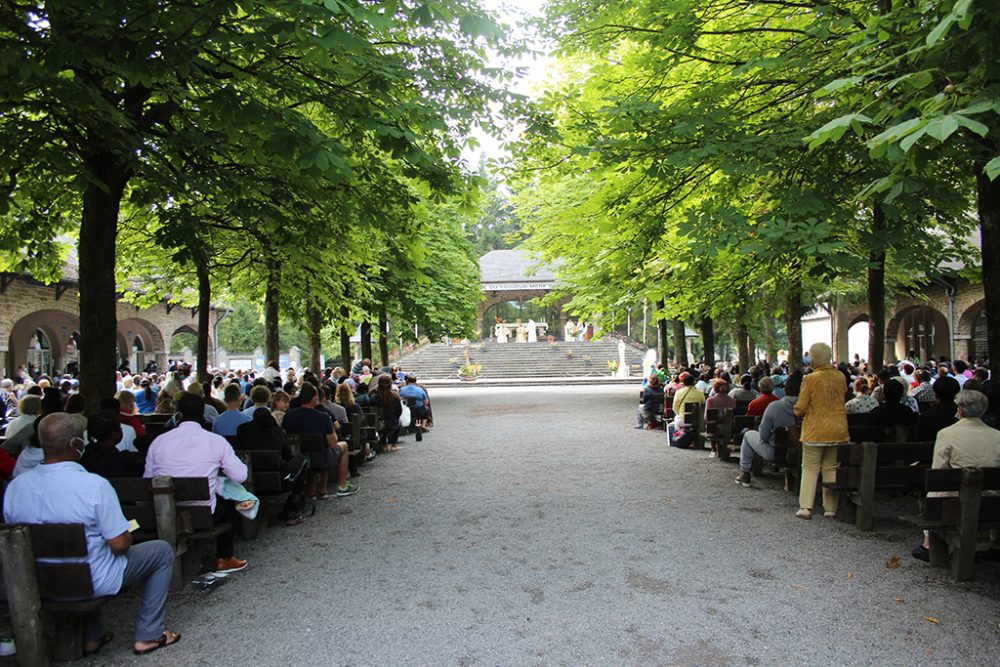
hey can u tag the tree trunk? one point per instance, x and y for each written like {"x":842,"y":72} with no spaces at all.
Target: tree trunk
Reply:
{"x":272,"y":342}
{"x":204,"y":317}
{"x":770,"y":343}
{"x":345,"y":341}
{"x":383,"y":335}
{"x":661,"y":334}
{"x":315,"y":322}
{"x":680,"y":344}
{"x":841,"y":348}
{"x":988,"y":204}
{"x":98,"y":292}
{"x":793,"y":323}
{"x":876,"y":292}
{"x":366,"y":340}
{"x":708,"y":339}
{"x":742,"y":345}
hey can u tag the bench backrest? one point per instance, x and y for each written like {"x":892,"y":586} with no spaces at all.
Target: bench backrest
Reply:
{"x":136,"y":496}
{"x":59,"y":540}
{"x":948,"y":510}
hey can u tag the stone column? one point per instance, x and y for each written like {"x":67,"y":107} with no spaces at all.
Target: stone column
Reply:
{"x":162,"y":360}
{"x":295,"y":357}
{"x":964,"y":347}
{"x":890,"y":350}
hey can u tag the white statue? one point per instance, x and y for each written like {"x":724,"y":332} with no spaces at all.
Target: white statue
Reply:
{"x":532,"y":331}
{"x":649,"y":362}
{"x":622,"y":365}
{"x":569,"y":331}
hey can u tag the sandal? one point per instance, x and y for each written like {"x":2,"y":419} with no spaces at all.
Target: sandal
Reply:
{"x":162,"y":642}
{"x":102,"y":641}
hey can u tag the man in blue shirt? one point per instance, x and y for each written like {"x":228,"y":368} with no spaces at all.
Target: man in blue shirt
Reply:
{"x":419,"y":396}
{"x":61,"y":491}
{"x":230,"y":420}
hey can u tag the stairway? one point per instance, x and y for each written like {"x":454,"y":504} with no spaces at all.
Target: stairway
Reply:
{"x":439,"y":361}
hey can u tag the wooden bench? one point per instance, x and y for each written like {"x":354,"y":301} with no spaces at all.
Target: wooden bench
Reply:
{"x":787,"y":455}
{"x":266,"y":483}
{"x":869,"y":467}
{"x":158,"y":505}
{"x":719,"y":431}
{"x":694,"y":417}
{"x":155,"y":424}
{"x":955,"y":522}
{"x":735,"y":442}
{"x":45,"y":628}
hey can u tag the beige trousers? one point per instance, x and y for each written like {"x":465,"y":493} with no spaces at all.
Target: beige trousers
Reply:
{"x":815,"y":459}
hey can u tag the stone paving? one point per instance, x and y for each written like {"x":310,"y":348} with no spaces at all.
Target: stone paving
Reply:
{"x":534,"y":526}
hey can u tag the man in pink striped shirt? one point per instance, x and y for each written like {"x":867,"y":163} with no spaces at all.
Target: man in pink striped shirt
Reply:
{"x":190,"y":451}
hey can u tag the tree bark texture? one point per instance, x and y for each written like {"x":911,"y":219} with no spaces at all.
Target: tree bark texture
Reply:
{"x":345,"y":341}
{"x":708,"y":339}
{"x":98,"y":291}
{"x":742,"y":346}
{"x":793,"y":324}
{"x":661,"y":334}
{"x":770,"y":344}
{"x":876,"y":292}
{"x":272,"y":341}
{"x":383,"y":336}
{"x":680,"y":344}
{"x":315,"y":321}
{"x":988,"y":204}
{"x":366,"y":340}
{"x":204,"y":318}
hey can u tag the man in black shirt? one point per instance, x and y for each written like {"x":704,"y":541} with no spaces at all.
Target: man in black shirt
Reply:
{"x":307,"y":420}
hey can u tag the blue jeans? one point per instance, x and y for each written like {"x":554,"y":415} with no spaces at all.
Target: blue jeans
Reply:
{"x":752,"y":444}
{"x":153,"y":563}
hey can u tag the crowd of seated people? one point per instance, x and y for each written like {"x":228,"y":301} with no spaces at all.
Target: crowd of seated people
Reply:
{"x":50,"y":446}
{"x":938,"y":401}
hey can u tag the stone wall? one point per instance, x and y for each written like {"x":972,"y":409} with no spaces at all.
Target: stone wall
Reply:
{"x":27,"y":306}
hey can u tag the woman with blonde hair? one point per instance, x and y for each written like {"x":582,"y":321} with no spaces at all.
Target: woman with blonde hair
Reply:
{"x":824,"y":426}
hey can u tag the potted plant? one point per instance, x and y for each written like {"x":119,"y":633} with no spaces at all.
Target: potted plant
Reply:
{"x":469,"y":371}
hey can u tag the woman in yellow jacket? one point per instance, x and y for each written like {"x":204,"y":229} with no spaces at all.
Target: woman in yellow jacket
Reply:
{"x":824,"y":426}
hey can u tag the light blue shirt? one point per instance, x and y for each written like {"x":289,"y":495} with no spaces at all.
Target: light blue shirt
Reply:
{"x":418,"y":395}
{"x":227,"y":423}
{"x":66,"y":493}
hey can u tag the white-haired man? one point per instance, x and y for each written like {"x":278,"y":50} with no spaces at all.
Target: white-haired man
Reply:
{"x":970,"y":443}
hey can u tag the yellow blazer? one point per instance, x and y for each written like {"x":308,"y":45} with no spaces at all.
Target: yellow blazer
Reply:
{"x":821,"y":403}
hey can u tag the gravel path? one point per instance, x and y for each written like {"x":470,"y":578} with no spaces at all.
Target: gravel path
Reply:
{"x":534,"y":526}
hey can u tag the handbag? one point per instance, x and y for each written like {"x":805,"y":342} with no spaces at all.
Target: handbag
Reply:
{"x":404,"y":416}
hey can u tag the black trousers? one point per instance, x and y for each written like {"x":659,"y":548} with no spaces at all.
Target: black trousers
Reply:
{"x":225,"y":514}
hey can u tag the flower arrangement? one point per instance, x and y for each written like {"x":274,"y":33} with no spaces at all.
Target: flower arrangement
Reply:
{"x":612,"y":365}
{"x":469,"y":371}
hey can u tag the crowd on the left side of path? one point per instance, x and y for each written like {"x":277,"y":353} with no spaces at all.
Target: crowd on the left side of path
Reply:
{"x":57,"y":460}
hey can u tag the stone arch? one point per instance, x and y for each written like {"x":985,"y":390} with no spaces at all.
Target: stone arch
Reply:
{"x":971,"y":334}
{"x":858,"y":318}
{"x":921,"y":328}
{"x":966,"y":324}
{"x":58,"y":326}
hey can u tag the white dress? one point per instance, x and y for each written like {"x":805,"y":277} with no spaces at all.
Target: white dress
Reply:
{"x":532,"y":332}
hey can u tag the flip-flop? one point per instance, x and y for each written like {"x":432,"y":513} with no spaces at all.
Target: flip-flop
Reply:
{"x":160,"y":643}
{"x":102,"y":641}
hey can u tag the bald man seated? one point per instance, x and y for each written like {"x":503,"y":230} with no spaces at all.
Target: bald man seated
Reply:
{"x":60,"y":490}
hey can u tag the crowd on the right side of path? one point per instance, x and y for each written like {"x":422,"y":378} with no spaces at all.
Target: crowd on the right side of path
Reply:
{"x":956,"y":405}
